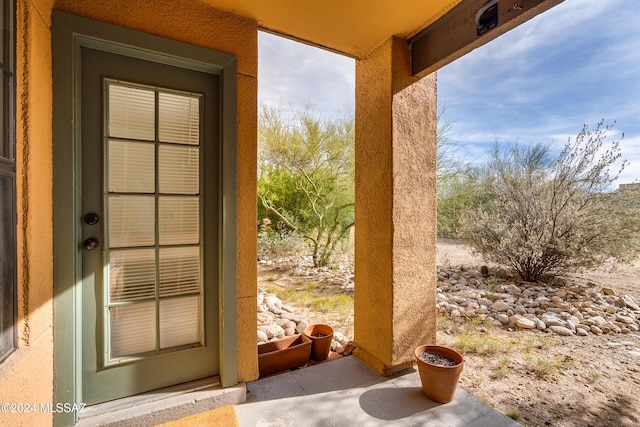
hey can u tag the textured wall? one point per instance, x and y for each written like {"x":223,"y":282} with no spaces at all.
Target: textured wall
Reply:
{"x":395,"y":208}
{"x":27,"y":375}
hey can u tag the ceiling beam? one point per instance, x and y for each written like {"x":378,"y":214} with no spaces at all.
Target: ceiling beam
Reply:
{"x":456,"y":34}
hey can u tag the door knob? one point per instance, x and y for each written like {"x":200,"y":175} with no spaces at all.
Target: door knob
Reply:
{"x":91,"y":219}
{"x":91,"y":243}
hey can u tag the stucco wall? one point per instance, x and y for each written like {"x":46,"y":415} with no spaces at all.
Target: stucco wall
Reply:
{"x":395,"y":208}
{"x":27,"y":375}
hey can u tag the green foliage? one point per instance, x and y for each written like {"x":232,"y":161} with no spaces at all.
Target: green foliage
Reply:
{"x":457,"y":194}
{"x":457,"y":182}
{"x":546,"y":215}
{"x":273,"y":244}
{"x":306,"y":178}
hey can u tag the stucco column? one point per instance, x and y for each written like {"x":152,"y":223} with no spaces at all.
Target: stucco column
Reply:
{"x":395,"y":233}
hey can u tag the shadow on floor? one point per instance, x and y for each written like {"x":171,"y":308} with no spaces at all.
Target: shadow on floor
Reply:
{"x":346,"y":392}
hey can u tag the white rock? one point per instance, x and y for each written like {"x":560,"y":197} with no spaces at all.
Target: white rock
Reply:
{"x":502,"y":318}
{"x":272,"y":331}
{"x":499,"y":306}
{"x":629,"y":302}
{"x":598,"y":321}
{"x":262,"y":337}
{"x":520,"y":310}
{"x":624,"y":319}
{"x":522,"y":322}
{"x":551,"y":319}
{"x":582,"y":332}
{"x":561,"y":330}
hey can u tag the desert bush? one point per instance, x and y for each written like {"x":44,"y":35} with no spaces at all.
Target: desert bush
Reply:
{"x":546,"y":214}
{"x":456,"y":195}
{"x":273,"y":244}
{"x":455,"y":179}
{"x":306,"y":178}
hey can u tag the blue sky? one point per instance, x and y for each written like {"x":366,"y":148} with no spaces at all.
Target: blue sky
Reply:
{"x":575,"y":64}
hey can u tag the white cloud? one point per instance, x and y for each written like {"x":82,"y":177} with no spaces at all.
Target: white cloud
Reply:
{"x":297,"y":76}
{"x":577,"y":63}
{"x":574,"y":64}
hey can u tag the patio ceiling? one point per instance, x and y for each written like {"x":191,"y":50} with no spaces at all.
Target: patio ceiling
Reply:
{"x":351,"y":27}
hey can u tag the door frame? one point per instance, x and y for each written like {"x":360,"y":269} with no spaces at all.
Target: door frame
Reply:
{"x":69,"y":34}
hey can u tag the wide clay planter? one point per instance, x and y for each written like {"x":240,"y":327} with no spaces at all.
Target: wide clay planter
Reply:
{"x":286,"y":353}
{"x":321,"y":337}
{"x":439,"y":382}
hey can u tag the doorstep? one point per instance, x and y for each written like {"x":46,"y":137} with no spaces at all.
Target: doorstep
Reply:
{"x":163,"y":405}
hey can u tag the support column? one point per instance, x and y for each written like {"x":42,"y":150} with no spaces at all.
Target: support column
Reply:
{"x":395,"y":233}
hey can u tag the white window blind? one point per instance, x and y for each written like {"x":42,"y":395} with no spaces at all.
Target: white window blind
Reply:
{"x":153,"y":219}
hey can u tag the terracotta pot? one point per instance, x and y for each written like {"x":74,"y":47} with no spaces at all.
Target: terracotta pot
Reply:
{"x":439,"y":382}
{"x":320,"y":345}
{"x":286,"y":353}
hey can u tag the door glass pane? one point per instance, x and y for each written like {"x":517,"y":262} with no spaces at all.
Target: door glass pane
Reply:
{"x":179,"y":271}
{"x":179,"y":220}
{"x":131,"y":221}
{"x":133,"y":329}
{"x":179,"y":321}
{"x":178,"y":166}
{"x":131,"y":167}
{"x":132,"y":275}
{"x":131,"y":112}
{"x":178,"y":118}
{"x":153,"y":220}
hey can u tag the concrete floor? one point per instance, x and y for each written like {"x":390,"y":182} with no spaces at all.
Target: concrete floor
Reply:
{"x":345,"y":392}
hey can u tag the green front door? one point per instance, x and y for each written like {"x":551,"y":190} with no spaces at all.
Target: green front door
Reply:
{"x":150,"y":224}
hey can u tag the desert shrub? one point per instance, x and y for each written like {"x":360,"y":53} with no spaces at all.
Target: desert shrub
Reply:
{"x":306,"y":178}
{"x":546,"y":214}
{"x":273,"y":244}
{"x":455,"y":179}
{"x":456,"y":195}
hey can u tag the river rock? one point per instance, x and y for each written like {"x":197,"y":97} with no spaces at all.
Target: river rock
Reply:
{"x":499,"y":306}
{"x":272,"y":331}
{"x":629,"y":302}
{"x":522,"y":322}
{"x":561,"y":330}
{"x":502,"y":318}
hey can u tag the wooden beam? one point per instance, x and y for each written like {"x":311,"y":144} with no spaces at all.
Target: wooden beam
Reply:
{"x":455,"y":34}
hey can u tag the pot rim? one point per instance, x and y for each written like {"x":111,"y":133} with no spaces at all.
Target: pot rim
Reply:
{"x":442,"y":351}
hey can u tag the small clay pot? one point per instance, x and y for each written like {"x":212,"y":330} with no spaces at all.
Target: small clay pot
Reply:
{"x":439,"y":382}
{"x":321,"y":337}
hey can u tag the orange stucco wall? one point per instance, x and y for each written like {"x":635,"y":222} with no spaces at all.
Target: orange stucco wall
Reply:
{"x":27,"y":375}
{"x":395,"y":208}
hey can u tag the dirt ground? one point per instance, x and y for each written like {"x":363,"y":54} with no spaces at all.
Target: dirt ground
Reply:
{"x":536,"y":378}
{"x":596,"y":380}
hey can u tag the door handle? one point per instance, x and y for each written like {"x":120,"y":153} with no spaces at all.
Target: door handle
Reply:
{"x":91,"y":243}
{"x":91,"y":219}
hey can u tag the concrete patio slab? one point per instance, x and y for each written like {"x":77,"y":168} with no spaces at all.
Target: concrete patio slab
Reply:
{"x":346,"y":392}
